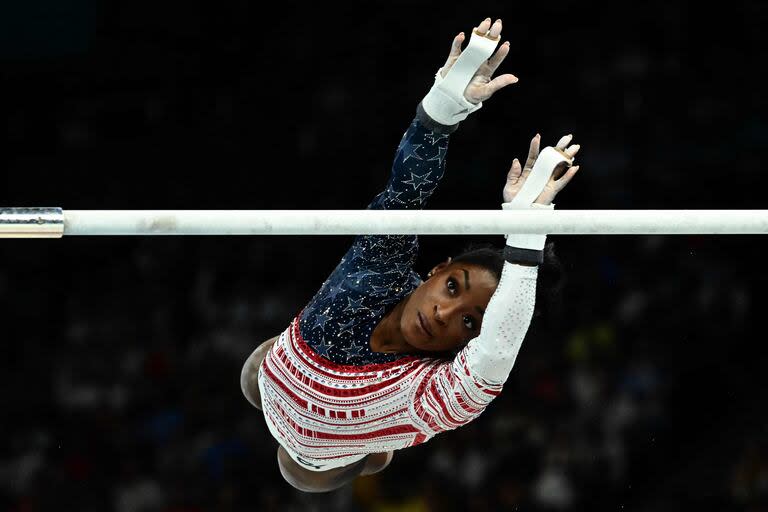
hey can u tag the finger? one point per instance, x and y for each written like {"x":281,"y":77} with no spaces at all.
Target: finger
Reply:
{"x":564,"y":141}
{"x":514,"y":172}
{"x":533,"y":152}
{"x":497,"y":58}
{"x":497,"y":83}
{"x":484,"y":25}
{"x":572,"y":150}
{"x":456,"y":46}
{"x":565,"y":178}
{"x":495,"y":30}
{"x":453,"y":55}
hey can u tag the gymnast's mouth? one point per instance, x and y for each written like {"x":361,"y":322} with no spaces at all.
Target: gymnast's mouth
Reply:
{"x":424,"y":325}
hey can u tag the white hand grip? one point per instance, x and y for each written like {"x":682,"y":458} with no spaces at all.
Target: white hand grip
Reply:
{"x":549,"y":158}
{"x":445,"y":102}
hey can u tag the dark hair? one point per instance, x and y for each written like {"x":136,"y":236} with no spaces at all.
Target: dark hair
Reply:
{"x":551,"y":275}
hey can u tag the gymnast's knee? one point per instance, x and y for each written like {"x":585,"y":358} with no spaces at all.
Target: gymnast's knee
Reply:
{"x":249,"y":375}
{"x":249,"y":382}
{"x":376,"y":462}
{"x":316,"y":481}
{"x":300,"y":478}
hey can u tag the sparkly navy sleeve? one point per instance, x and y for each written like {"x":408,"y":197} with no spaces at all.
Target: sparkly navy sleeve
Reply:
{"x":419,"y":164}
{"x":377,"y":271}
{"x":418,"y":167}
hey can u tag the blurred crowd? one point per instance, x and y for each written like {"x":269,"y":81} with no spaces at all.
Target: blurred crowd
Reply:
{"x":129,"y":400}
{"x":640,"y":387}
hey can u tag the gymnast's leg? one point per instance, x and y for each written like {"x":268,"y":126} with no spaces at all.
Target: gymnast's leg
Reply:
{"x":324,"y":481}
{"x":249,"y":376}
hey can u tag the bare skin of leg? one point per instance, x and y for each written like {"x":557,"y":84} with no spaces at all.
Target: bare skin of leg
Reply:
{"x":249,"y":376}
{"x":324,"y":481}
{"x":299,"y":477}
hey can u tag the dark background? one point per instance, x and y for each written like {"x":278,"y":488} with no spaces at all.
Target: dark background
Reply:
{"x":641,"y":388}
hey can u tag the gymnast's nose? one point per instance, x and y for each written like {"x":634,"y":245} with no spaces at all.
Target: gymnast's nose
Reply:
{"x":443,"y":313}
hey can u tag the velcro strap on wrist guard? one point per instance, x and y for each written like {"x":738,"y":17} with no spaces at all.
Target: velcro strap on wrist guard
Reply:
{"x":517,"y":255}
{"x":445,"y":102}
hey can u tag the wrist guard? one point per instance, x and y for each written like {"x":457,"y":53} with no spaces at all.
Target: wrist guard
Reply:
{"x":445,"y":102}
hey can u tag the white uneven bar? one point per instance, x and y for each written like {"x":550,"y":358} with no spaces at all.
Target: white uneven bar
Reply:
{"x":427,"y":222}
{"x":54,"y":222}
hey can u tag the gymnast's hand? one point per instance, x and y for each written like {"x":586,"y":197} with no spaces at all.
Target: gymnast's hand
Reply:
{"x":481,"y":87}
{"x":559,"y":179}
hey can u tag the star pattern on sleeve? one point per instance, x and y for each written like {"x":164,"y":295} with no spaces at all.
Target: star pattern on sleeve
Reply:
{"x":311,"y":307}
{"x":320,"y":320}
{"x":412,"y":153}
{"x":425,"y":194}
{"x":347,"y":327}
{"x":357,"y":251}
{"x":392,"y":257}
{"x":440,"y":156}
{"x":362,"y":274}
{"x":392,"y":299}
{"x":376,"y":273}
{"x":322,"y":348}
{"x":379,"y":290}
{"x":434,"y":138}
{"x":352,"y":351}
{"x":333,"y":291}
{"x":399,"y":272}
{"x":378,"y":312}
{"x":418,"y":180}
{"x":394,"y":195}
{"x":380,"y":242}
{"x":354,"y":305}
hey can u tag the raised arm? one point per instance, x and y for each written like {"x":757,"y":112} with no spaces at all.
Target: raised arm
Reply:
{"x":492,"y":354}
{"x":458,"y":392}
{"x":461,"y":85}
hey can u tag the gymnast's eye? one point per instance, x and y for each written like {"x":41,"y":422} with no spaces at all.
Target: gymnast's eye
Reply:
{"x":469,"y":322}
{"x":451,"y":284}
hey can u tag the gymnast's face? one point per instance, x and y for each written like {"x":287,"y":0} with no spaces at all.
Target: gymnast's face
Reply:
{"x":446,"y":310}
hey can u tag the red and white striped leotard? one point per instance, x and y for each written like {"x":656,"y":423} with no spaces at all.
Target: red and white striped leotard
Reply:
{"x":328,"y":415}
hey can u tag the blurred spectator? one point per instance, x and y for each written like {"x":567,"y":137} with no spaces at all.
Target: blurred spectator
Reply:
{"x":121,"y":358}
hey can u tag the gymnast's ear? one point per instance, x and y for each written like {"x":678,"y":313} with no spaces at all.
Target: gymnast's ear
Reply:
{"x":437,"y":268}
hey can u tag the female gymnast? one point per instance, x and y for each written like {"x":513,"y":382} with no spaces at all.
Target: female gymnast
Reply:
{"x":380,"y":360}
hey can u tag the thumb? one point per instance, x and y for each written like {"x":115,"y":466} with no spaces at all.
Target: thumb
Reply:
{"x":454,"y":53}
{"x":514,"y":172}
